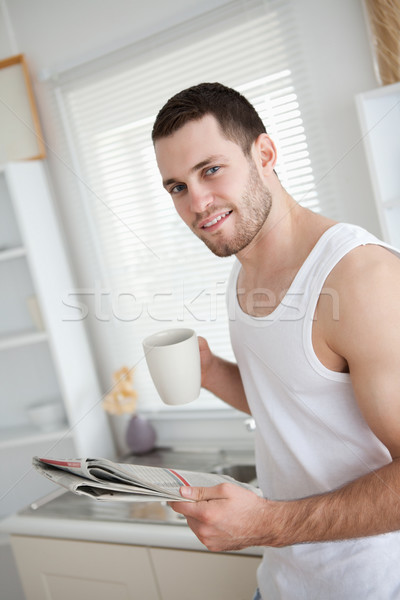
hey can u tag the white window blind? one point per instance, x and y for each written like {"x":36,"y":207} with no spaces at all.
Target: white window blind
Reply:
{"x":157,"y":273}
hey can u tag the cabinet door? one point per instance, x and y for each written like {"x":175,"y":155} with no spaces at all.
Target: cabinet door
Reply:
{"x":183,"y":574}
{"x":66,"y":569}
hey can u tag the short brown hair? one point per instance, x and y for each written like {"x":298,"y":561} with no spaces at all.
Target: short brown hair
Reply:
{"x":236,"y":117}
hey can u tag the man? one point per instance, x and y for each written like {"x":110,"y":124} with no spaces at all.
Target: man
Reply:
{"x":314,"y":323}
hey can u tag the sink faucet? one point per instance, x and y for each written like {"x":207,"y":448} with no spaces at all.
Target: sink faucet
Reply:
{"x":250,"y":424}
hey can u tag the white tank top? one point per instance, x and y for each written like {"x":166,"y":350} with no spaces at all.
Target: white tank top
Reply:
{"x":310,"y":435}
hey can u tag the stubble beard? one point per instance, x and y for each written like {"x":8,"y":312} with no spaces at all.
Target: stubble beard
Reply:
{"x":255,"y":206}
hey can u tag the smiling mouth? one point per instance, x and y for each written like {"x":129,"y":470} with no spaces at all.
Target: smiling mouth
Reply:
{"x":216,"y":220}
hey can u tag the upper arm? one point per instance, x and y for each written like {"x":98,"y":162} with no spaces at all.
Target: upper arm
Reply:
{"x":367,"y":334}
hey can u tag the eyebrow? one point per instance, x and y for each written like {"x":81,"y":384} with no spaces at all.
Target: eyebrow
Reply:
{"x":198,"y":166}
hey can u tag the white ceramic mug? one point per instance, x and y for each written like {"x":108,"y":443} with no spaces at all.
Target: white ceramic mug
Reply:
{"x":173,"y":359}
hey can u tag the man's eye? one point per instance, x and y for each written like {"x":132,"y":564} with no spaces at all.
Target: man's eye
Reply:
{"x":212,"y":170}
{"x":177,"y":188}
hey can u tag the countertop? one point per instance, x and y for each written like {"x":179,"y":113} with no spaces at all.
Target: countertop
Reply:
{"x":138,"y":523}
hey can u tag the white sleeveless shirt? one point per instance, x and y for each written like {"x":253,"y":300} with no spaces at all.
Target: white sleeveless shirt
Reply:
{"x":310,"y":435}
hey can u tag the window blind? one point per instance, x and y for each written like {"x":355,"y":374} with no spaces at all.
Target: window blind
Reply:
{"x":156,"y":273}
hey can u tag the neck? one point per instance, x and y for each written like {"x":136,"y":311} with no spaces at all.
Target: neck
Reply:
{"x":285,"y":240}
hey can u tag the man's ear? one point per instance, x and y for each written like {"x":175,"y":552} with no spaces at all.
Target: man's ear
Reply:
{"x":265,"y":154}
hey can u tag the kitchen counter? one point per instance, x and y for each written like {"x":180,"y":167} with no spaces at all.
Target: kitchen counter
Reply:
{"x":140,"y":523}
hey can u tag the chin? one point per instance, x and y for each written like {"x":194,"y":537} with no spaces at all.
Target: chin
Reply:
{"x":224,"y":250}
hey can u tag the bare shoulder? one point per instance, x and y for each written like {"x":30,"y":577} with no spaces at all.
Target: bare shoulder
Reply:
{"x":366,"y":334}
{"x":364,"y":288}
{"x":365,"y":273}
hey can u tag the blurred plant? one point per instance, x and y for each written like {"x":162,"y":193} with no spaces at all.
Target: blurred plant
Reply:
{"x":383,"y":18}
{"x":122,"y":399}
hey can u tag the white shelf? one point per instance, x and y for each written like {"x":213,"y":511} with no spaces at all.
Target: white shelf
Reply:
{"x":38,"y":365}
{"x":22,"y":339}
{"x":379,"y":116}
{"x":12,"y":253}
{"x":26,"y":435}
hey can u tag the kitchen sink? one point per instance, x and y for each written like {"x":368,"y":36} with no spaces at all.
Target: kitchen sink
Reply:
{"x":237,"y":464}
{"x":243,"y":473}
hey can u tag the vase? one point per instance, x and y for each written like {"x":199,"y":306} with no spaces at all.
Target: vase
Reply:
{"x":140,"y":435}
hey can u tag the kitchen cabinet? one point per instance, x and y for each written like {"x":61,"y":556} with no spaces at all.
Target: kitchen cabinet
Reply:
{"x":379,"y":115}
{"x":183,"y":574}
{"x":63,"y":569}
{"x":43,"y":356}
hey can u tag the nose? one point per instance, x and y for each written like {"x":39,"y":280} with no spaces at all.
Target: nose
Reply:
{"x":200,"y":198}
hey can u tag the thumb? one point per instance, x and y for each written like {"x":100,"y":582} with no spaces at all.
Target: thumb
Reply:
{"x":202,"y":342}
{"x":199,"y":493}
{"x":191,"y":493}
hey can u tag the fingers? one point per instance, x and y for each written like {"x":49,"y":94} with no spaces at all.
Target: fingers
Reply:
{"x":187,"y":509}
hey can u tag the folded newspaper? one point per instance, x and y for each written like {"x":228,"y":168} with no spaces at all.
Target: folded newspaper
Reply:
{"x":103,"y":479}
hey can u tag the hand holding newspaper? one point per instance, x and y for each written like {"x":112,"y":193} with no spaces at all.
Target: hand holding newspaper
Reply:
{"x":103,"y":479}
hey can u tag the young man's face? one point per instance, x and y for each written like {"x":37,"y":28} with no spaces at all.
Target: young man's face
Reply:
{"x":216,"y":189}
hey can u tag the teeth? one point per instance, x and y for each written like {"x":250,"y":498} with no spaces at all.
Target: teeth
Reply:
{"x":215,"y":220}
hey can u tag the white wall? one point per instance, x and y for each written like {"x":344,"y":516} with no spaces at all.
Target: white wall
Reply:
{"x":56,"y":32}
{"x":8,"y":44}
{"x":339,"y":57}
{"x":333,"y":33}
